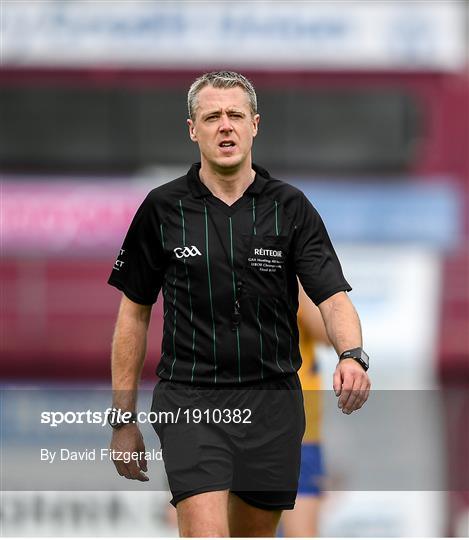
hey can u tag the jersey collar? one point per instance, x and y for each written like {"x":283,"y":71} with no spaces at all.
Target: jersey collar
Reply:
{"x":199,"y":189}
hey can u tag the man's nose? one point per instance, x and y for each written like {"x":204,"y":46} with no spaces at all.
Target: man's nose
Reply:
{"x":225,"y":124}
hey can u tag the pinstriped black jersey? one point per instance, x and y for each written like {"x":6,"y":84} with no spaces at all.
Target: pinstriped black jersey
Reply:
{"x":228,"y":276}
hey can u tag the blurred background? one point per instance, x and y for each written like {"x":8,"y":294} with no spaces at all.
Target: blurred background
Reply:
{"x":364,"y":106}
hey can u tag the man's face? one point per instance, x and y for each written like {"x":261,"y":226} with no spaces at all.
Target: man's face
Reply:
{"x":224,"y":127}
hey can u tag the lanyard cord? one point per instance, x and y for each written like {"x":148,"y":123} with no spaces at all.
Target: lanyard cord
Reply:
{"x":236,"y":315}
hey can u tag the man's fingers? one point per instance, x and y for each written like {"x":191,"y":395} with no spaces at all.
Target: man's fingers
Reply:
{"x":353,"y":402}
{"x":143,"y":462}
{"x":347,"y":386}
{"x":129,"y":440}
{"x":363,"y":393}
{"x":121,"y":467}
{"x":358,"y":395}
{"x":367,"y":390}
{"x":130,"y":470}
{"x":351,"y":396}
{"x":135,"y":472}
{"x":337,"y":382}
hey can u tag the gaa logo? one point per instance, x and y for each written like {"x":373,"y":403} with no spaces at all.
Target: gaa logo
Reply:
{"x":186,"y":251}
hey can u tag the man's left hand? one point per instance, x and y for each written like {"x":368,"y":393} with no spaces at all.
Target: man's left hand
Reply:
{"x":352,"y":384}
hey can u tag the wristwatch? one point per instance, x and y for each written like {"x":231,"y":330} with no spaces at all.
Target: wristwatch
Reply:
{"x":357,"y":354}
{"x":118,"y":418}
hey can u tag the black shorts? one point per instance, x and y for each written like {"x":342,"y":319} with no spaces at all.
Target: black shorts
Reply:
{"x":246,"y":439}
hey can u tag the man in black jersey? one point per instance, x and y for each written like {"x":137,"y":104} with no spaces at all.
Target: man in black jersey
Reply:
{"x":225,"y":243}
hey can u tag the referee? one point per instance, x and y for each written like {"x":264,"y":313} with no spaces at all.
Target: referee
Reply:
{"x":225,"y":243}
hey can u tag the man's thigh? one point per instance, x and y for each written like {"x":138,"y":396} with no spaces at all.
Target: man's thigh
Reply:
{"x":204,"y":515}
{"x":246,"y":520}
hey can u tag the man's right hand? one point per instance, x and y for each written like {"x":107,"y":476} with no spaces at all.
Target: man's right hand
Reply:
{"x":129,"y":439}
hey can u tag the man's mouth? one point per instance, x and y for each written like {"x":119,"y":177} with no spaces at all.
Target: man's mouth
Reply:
{"x":226,"y":144}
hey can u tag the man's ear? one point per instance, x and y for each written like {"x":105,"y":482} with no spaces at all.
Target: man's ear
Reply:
{"x":192,"y":133}
{"x":255,"y":124}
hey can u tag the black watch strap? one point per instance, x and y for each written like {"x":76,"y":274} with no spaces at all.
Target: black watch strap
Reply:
{"x":118,"y":418}
{"x":357,"y":354}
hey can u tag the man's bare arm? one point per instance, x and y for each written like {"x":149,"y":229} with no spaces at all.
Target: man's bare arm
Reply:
{"x":342,"y":322}
{"x":311,"y":320}
{"x":128,"y":354}
{"x":350,"y":380}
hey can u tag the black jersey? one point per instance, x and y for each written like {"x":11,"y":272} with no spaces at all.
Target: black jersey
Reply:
{"x":228,"y":275}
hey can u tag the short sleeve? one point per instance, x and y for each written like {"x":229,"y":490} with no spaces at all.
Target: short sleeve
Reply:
{"x":138,"y":268}
{"x":316,"y":262}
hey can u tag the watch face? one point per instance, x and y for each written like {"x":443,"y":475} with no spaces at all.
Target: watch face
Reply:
{"x":114,"y":418}
{"x":365,"y":358}
{"x":118,"y":418}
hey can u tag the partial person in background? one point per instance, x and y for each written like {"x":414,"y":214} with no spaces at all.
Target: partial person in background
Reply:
{"x":303,"y":520}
